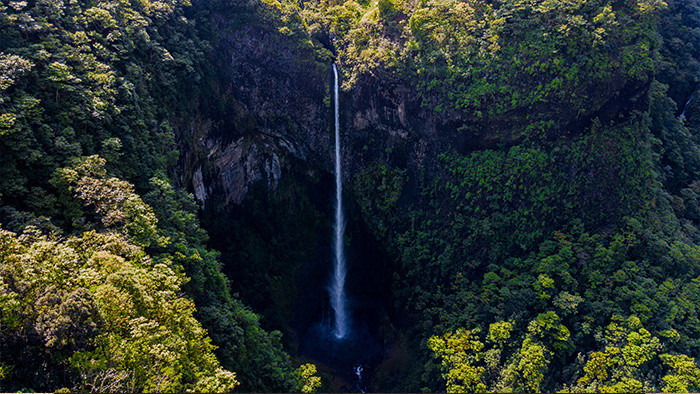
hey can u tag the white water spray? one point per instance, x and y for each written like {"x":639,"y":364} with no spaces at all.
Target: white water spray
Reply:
{"x":686,"y":104}
{"x":337,"y":286}
{"x":358,"y":372}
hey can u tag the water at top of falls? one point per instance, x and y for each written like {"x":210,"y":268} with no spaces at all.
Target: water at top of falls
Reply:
{"x":337,"y":286}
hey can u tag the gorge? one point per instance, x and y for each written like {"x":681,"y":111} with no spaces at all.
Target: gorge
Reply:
{"x":322,"y":195}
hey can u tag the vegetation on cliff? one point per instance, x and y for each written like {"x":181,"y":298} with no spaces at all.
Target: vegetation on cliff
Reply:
{"x":100,"y":277}
{"x":558,"y":248}
{"x":96,"y":312}
{"x":582,"y":212}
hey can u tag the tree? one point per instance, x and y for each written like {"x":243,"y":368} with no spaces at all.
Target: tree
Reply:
{"x":470,"y":366}
{"x":622,"y":365}
{"x":307,"y":381}
{"x":99,"y":304}
{"x":114,"y":200}
{"x":460,"y":353}
{"x":684,"y":376}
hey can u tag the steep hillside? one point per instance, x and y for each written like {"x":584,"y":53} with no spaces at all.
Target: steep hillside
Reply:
{"x":522,"y":183}
{"x":81,"y":79}
{"x":519,"y":161}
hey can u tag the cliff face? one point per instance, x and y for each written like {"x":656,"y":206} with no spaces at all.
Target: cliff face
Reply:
{"x":275,"y":102}
{"x":269,"y":105}
{"x":384,"y":120}
{"x":276,"y":105}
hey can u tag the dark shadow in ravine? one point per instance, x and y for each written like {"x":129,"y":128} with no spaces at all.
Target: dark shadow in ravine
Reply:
{"x":368,"y":286}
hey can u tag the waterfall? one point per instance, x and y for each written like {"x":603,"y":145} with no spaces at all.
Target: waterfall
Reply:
{"x":337,"y":286}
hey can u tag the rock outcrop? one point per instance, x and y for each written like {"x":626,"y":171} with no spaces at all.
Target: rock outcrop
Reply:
{"x":270,"y":106}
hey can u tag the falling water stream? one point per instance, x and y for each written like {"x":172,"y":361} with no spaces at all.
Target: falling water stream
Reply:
{"x":337,"y":285}
{"x":346,"y":341}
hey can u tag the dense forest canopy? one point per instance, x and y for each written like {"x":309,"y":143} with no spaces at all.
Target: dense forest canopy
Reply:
{"x":94,"y":269}
{"x":530,"y":168}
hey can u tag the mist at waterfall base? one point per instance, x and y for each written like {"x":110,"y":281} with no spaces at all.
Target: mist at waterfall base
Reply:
{"x":362,"y":345}
{"x":368,"y":296}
